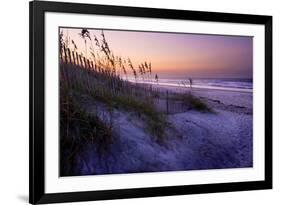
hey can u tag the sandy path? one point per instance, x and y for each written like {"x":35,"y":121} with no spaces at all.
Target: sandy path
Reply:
{"x":208,"y":141}
{"x":218,"y":140}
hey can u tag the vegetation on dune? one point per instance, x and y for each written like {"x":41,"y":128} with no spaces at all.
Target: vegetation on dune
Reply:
{"x":116,"y":93}
{"x":155,"y":120}
{"x":198,"y":104}
{"x":91,"y":128}
{"x":103,"y":82}
{"x":125,"y":98}
{"x":78,"y":128}
{"x":194,"y":102}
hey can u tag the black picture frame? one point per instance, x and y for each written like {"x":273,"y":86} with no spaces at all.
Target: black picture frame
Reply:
{"x":37,"y":194}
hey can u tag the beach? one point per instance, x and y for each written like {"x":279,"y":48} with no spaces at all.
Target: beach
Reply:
{"x":196,"y":140}
{"x":234,"y":100}
{"x":183,"y":104}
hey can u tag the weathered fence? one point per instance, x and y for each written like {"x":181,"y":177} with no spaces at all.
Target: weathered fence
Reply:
{"x":168,"y":104}
{"x":68,"y":56}
{"x":165,"y":101}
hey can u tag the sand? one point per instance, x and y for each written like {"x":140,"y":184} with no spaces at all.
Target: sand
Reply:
{"x":198,"y":140}
{"x":226,"y":97}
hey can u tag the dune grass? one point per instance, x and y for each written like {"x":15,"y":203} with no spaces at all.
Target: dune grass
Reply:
{"x":198,"y":104}
{"x":155,"y":120}
{"x":78,"y":128}
{"x":193,"y":102}
{"x":101,"y":82}
{"x":116,"y":94}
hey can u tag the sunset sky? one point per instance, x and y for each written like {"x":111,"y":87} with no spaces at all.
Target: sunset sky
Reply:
{"x":174,"y":54}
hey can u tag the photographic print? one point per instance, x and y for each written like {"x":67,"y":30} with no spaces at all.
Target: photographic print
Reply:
{"x":142,"y":101}
{"x":129,"y":102}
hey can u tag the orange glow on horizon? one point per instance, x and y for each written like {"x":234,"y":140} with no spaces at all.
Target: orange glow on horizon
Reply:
{"x":176,"y":54}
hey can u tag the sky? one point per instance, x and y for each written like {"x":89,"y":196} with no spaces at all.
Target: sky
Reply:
{"x":178,"y":54}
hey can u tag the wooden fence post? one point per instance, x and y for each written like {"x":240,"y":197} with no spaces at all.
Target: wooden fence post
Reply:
{"x":65,"y":55}
{"x":85,"y":63}
{"x":69,"y":55}
{"x":92,"y":64}
{"x":61,"y":52}
{"x":80,"y":58}
{"x":73,"y":56}
{"x":77,"y":58}
{"x":167,"y":102}
{"x":88,"y":62}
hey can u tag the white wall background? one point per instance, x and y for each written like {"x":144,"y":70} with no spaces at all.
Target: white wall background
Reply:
{"x":14,"y":44}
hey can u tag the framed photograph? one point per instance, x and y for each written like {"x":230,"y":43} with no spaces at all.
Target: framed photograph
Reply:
{"x":141,"y":102}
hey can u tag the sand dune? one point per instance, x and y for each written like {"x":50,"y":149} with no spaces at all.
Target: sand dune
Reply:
{"x":197,"y":140}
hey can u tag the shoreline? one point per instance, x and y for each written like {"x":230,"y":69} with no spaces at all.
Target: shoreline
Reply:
{"x":197,"y":141}
{"x":203,"y":87}
{"x":189,"y":140}
{"x":235,"y":101}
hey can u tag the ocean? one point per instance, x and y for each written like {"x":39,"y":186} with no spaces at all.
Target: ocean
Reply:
{"x":233,"y":84}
